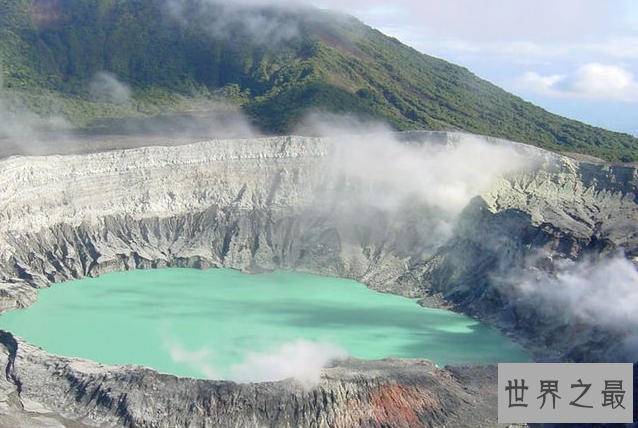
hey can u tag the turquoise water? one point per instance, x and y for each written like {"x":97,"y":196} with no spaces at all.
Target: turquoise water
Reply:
{"x":221,"y":323}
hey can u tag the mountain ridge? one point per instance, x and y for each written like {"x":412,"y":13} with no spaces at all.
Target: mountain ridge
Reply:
{"x":276,"y":64}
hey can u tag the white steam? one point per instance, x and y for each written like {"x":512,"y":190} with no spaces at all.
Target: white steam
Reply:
{"x":20,"y":126}
{"x":598,"y":293}
{"x":442,"y":176}
{"x":301,"y":360}
{"x":106,"y":87}
{"x":420,"y":186}
{"x":198,"y":360}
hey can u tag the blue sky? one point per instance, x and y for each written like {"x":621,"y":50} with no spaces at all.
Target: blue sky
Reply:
{"x":578,"y":58}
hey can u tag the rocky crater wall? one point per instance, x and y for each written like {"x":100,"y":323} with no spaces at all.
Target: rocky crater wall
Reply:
{"x":279,"y":203}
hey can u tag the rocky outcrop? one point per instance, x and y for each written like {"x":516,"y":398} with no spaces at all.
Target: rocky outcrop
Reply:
{"x":42,"y":390}
{"x":278,"y":203}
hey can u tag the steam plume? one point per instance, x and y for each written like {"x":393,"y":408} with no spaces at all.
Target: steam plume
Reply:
{"x":599,"y":293}
{"x":106,"y":87}
{"x":301,"y":360}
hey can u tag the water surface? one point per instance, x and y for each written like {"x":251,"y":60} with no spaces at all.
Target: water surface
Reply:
{"x":217,"y":322}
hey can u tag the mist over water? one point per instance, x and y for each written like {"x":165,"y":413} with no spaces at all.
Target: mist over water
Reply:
{"x":221,"y":323}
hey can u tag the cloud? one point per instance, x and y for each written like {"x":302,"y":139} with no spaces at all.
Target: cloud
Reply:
{"x":491,"y":19}
{"x":106,"y":87}
{"x":256,"y":19}
{"x":600,"y":293}
{"x":465,"y":19}
{"x":301,"y":360}
{"x":591,"y":81}
{"x":619,"y":47}
{"x":524,"y":51}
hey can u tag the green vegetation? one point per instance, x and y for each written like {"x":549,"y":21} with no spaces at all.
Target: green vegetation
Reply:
{"x":276,"y":64}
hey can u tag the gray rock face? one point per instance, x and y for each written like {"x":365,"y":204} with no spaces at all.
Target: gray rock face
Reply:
{"x":249,"y":204}
{"x":278,"y":203}
{"x":355,"y":393}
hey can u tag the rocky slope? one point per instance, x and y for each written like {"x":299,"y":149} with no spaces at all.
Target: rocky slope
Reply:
{"x":51,"y":391}
{"x":279,"y":203}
